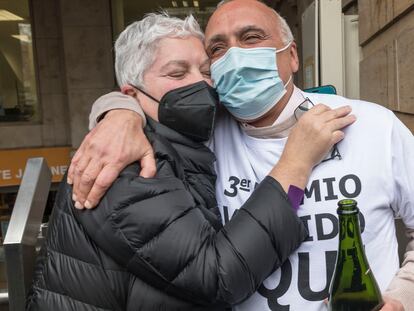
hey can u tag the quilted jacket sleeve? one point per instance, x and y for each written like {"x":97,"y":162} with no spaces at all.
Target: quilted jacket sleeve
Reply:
{"x":153,"y":227}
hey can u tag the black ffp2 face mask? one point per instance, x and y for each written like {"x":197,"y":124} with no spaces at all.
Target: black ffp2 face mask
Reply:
{"x":190,"y":110}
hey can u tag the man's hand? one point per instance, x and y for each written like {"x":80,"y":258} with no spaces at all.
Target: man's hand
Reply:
{"x":118,"y":140}
{"x":392,"y":305}
{"x":309,"y":141}
{"x":316,"y":132}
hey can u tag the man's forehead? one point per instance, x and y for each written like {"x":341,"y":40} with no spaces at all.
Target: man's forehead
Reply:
{"x":222,"y":34}
{"x":237,"y":15}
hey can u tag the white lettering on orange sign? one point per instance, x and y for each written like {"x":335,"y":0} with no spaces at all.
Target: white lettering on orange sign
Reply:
{"x":59,"y":170}
{"x":19,"y":174}
{"x":5,"y":174}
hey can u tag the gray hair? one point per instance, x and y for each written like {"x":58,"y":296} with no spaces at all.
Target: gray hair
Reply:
{"x":136,"y":46}
{"x":285,"y":31}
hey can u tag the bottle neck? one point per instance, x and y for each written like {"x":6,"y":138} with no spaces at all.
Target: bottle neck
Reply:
{"x":353,"y":284}
{"x":350,"y":236}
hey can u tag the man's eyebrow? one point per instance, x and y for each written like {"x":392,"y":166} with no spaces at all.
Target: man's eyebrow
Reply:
{"x":181,"y":63}
{"x":240,"y":32}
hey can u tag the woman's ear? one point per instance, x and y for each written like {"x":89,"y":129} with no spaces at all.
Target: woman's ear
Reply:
{"x":129,"y":90}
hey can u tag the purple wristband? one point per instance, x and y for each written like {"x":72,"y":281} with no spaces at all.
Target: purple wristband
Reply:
{"x":295,"y":196}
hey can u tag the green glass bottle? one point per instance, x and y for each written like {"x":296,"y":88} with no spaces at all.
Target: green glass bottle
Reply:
{"x":353,"y":286}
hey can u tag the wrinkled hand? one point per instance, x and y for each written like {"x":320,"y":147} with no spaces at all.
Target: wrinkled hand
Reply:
{"x":117,"y":141}
{"x":392,"y":305}
{"x":314,"y":135}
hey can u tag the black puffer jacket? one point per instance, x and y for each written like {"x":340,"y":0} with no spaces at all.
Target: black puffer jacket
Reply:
{"x":158,"y":244}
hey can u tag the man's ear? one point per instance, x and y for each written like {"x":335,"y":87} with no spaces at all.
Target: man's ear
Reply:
{"x":294,"y":58}
{"x":129,"y":90}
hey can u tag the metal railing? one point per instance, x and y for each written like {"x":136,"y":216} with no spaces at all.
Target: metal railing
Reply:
{"x":21,"y":237}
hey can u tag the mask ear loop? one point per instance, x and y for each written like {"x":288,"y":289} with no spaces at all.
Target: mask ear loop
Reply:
{"x":281,"y":50}
{"x":285,"y":47}
{"x":145,"y":93}
{"x":288,"y":81}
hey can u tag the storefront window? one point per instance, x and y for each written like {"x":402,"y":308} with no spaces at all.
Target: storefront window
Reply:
{"x":18,"y":93}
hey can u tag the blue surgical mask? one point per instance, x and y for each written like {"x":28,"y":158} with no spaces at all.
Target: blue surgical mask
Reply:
{"x":248,"y":81}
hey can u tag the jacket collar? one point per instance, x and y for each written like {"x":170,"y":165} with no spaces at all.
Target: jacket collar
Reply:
{"x":176,"y":147}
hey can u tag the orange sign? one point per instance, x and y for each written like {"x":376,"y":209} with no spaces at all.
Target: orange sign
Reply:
{"x":13,"y":162}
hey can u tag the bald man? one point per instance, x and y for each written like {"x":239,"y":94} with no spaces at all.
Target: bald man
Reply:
{"x":254,"y":57}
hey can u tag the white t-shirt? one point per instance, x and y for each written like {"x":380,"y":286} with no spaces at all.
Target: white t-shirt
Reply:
{"x":377,"y":170}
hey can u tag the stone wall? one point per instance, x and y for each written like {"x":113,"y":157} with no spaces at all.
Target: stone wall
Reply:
{"x":387,"y":66}
{"x":87,"y":45}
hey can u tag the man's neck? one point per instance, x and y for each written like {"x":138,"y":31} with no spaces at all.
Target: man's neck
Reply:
{"x":271,"y":117}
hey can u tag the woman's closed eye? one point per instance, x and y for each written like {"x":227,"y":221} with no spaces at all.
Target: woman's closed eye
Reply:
{"x":175,"y":69}
{"x":179,"y":74}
